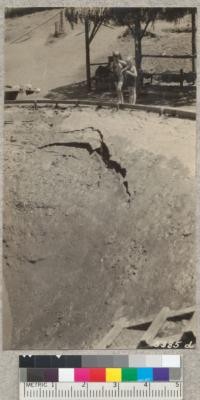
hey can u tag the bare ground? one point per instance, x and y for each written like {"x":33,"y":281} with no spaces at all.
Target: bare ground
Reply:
{"x":99,"y":211}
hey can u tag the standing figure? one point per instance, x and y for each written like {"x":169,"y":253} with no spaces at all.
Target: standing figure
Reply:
{"x":131,"y":79}
{"x":118,"y":73}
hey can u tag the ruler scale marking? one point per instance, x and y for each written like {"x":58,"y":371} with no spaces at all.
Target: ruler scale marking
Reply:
{"x":63,"y":378}
{"x":124,"y":391}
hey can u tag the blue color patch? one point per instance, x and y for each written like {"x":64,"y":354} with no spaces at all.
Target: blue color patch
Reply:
{"x":145,"y":375}
{"x":161,"y":374}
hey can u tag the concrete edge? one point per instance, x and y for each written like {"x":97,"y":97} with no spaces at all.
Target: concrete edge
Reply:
{"x":161,"y":110}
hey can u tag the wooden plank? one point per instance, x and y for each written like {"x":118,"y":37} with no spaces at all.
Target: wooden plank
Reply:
{"x":183,"y":56}
{"x":100,"y":63}
{"x":133,"y":323}
{"x":181,"y":313}
{"x":112,"y":334}
{"x":155,"y":326}
{"x":180,"y":113}
{"x":148,"y":320}
{"x":170,"y":111}
{"x":123,"y":323}
{"x":171,"y":73}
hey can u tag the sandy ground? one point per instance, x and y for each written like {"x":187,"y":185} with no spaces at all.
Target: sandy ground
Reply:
{"x":99,"y":221}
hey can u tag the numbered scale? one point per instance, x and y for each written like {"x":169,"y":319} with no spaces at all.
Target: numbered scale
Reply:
{"x":98,"y":377}
{"x":101,"y":391}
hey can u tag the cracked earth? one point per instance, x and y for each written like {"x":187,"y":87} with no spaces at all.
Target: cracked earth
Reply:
{"x":99,"y":212}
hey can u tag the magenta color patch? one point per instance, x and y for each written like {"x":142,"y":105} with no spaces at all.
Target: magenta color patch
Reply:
{"x":81,"y":374}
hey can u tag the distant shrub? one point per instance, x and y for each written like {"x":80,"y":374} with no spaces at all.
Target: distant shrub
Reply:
{"x":183,"y":29}
{"x":127,"y":33}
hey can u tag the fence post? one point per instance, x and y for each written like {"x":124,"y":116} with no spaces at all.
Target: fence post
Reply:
{"x":62,"y":30}
{"x":56,"y":34}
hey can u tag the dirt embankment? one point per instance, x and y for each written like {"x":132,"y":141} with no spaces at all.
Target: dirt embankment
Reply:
{"x":99,"y":211}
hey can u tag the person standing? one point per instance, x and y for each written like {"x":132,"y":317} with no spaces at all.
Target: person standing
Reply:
{"x":118,"y":73}
{"x":131,"y":79}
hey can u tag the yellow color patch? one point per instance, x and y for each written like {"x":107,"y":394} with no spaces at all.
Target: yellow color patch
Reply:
{"x":113,"y":375}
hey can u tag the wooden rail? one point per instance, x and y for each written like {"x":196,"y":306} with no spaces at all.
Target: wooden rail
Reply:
{"x":100,"y":63}
{"x":169,"y":111}
{"x":183,"y":56}
{"x":152,"y":326}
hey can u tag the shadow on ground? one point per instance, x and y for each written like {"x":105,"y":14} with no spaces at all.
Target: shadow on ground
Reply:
{"x":172,"y":95}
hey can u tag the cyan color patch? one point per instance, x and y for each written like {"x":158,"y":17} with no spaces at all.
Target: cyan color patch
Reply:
{"x":145,"y":375}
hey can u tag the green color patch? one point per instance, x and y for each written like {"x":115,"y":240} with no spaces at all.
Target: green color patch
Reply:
{"x":129,"y":374}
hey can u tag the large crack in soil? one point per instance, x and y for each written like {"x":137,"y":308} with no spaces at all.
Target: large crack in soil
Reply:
{"x":102,"y":150}
{"x":76,"y":252}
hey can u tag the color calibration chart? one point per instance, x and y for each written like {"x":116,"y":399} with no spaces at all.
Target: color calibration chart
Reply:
{"x":101,"y":377}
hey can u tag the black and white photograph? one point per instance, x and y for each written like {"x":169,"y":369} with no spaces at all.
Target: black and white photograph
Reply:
{"x":99,"y":202}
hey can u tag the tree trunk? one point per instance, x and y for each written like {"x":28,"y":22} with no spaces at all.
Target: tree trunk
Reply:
{"x":87,"y":49}
{"x":62,"y":30}
{"x":138,"y":51}
{"x":193,"y":40}
{"x":138,"y":47}
{"x":56,"y":34}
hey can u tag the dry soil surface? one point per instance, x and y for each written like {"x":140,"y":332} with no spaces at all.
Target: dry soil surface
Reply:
{"x":99,"y":216}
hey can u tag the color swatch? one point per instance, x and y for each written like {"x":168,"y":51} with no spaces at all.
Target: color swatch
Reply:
{"x":101,"y":361}
{"x":103,"y":368}
{"x":100,"y":374}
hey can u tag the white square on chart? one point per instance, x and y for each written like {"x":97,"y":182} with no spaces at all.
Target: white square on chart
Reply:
{"x":66,"y":375}
{"x":153,"y":361}
{"x":171,"y":361}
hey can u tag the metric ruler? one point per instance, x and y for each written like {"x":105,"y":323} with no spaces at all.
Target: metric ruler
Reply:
{"x":102,"y":391}
{"x":151,"y":377}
